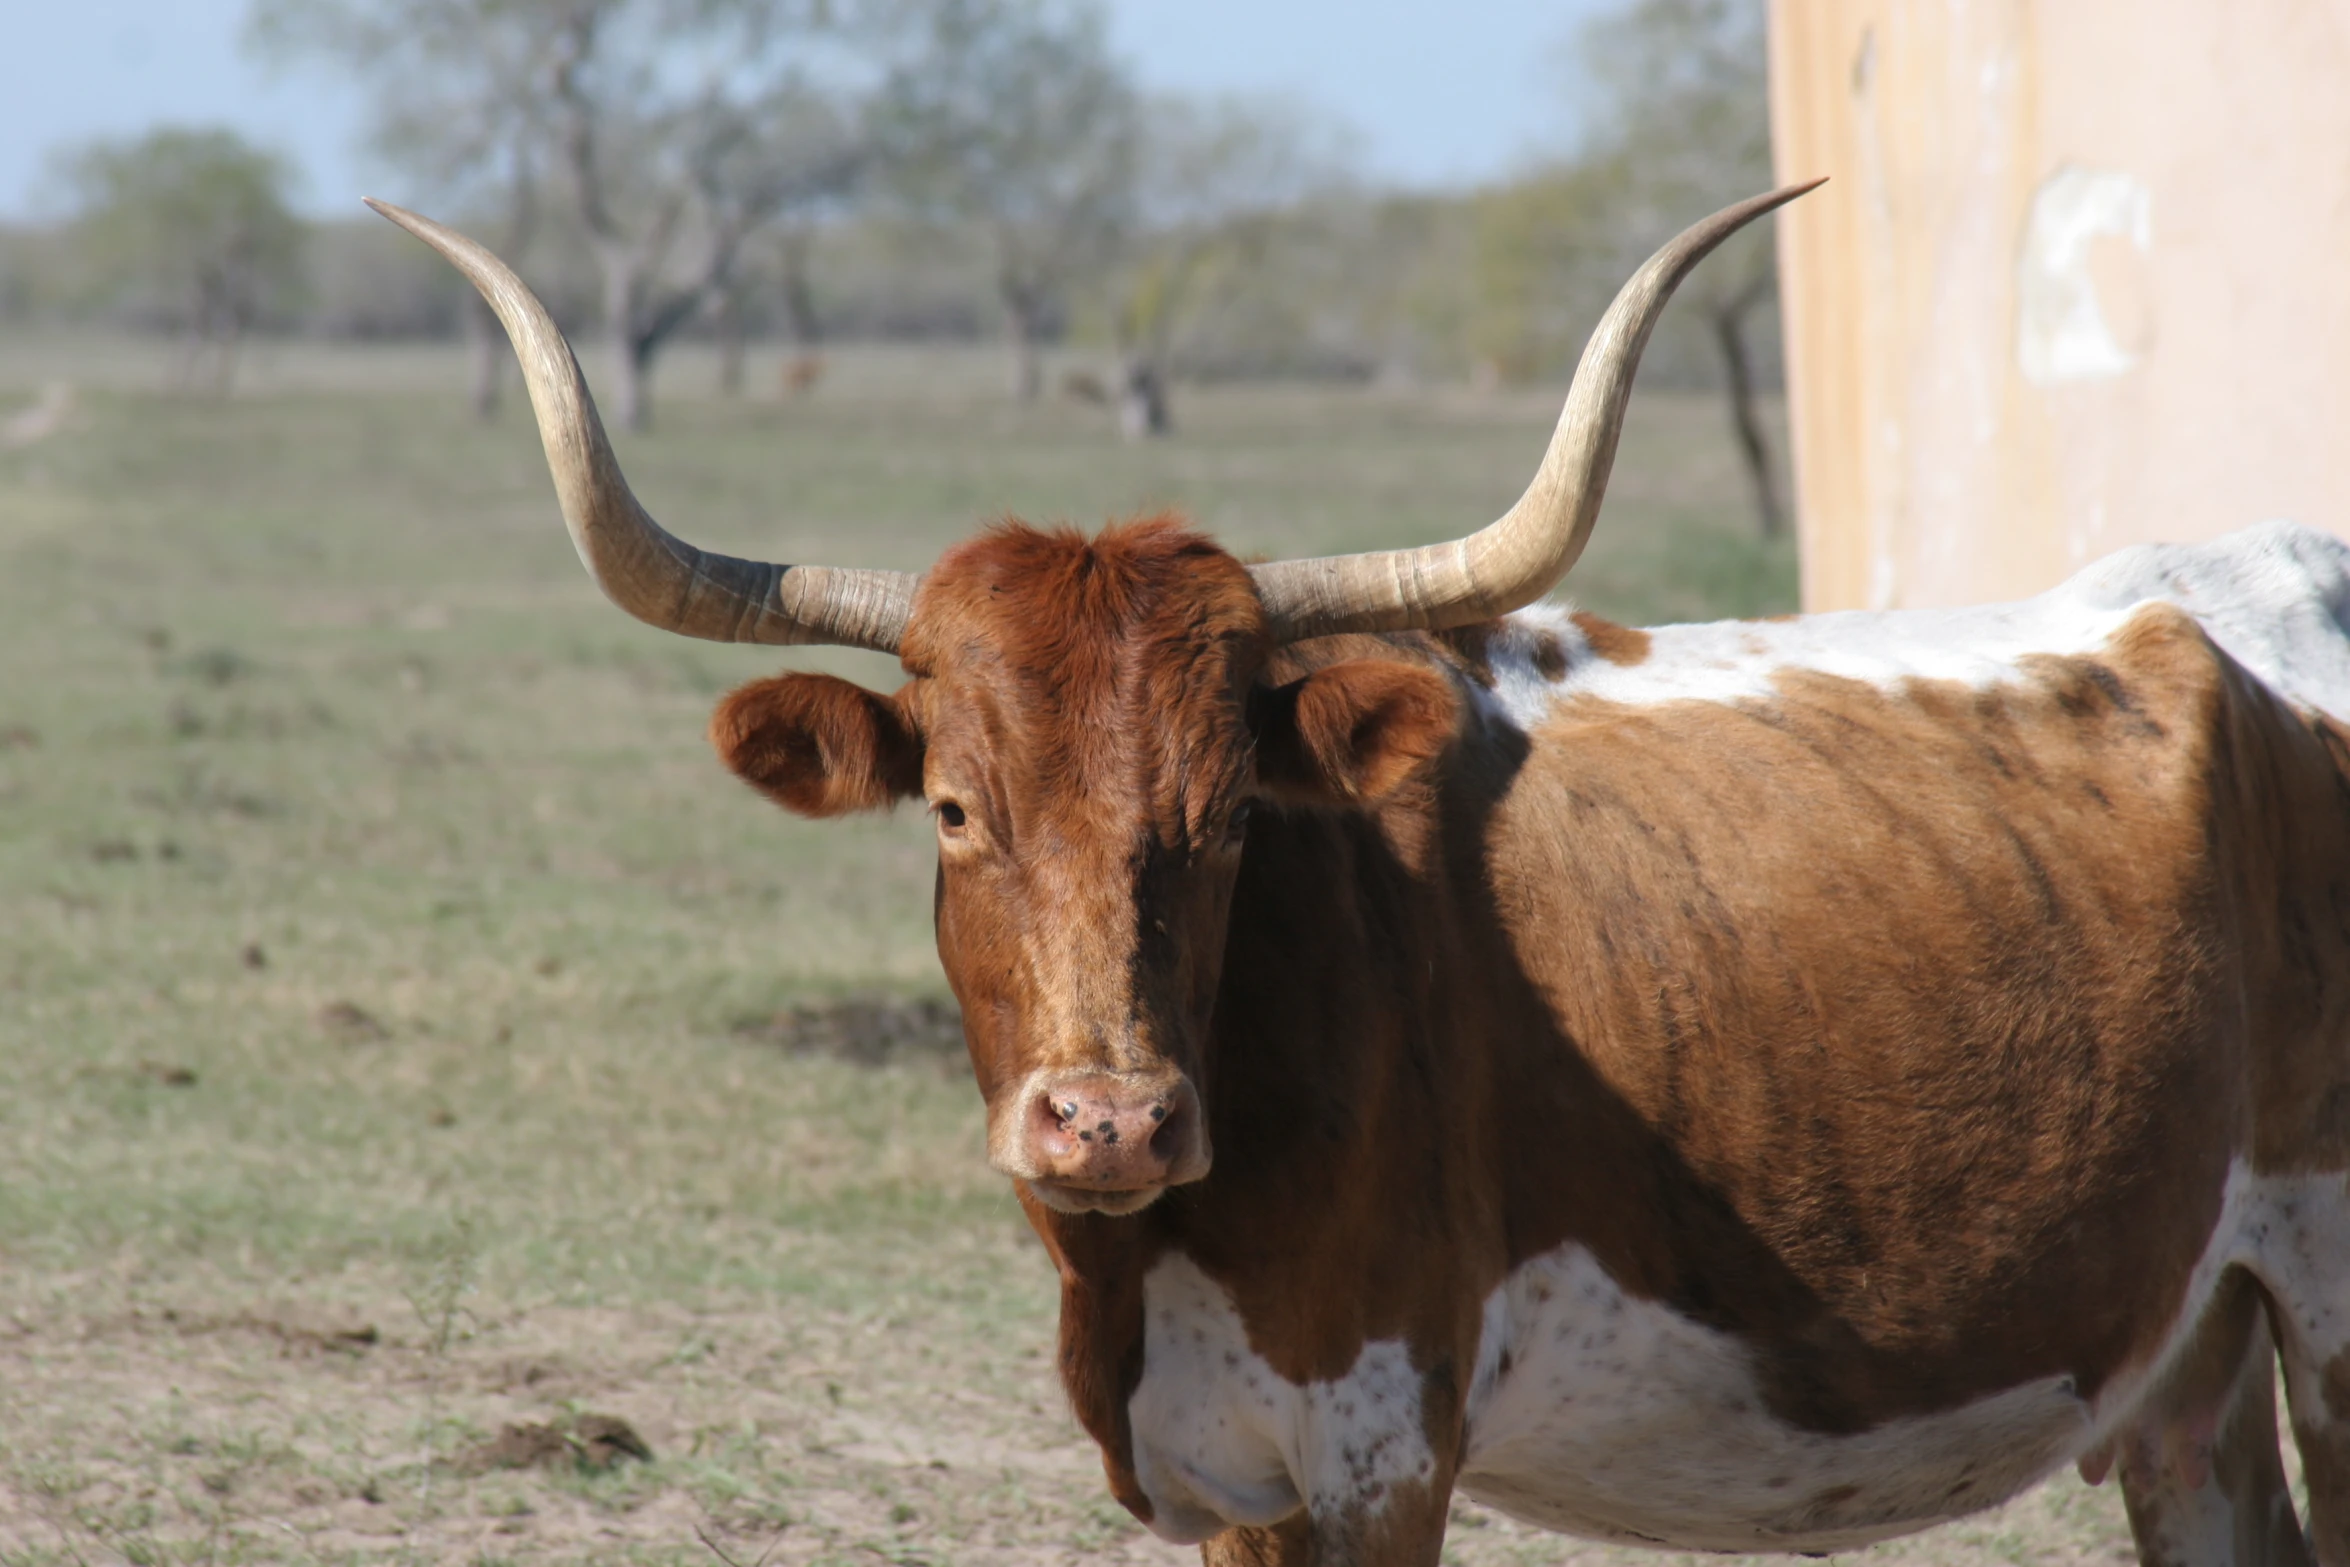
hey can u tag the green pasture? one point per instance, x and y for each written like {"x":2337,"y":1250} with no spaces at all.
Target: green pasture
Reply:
{"x":389,"y":975}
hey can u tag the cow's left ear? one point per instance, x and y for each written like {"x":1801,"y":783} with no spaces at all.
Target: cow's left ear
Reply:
{"x":819,"y":745}
{"x":1353,"y":733}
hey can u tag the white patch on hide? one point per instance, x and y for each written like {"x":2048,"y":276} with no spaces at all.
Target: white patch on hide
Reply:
{"x":1602,"y":1415}
{"x":2275,"y":596}
{"x":1619,"y":1419}
{"x":1521,"y":692}
{"x":1220,"y":1438}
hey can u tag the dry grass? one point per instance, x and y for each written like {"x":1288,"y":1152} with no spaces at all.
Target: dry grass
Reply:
{"x":388,"y":978}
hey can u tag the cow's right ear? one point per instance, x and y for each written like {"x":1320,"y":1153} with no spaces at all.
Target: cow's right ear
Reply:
{"x":1351,"y":734}
{"x":819,"y":745}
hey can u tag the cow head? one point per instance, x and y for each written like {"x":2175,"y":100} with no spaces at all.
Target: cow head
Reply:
{"x":1090,"y":726}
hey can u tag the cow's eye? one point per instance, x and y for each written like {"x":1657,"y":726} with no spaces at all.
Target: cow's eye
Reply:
{"x":950,"y":816}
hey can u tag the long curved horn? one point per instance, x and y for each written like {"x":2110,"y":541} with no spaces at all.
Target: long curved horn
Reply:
{"x":643,"y":568}
{"x":1512,"y":562}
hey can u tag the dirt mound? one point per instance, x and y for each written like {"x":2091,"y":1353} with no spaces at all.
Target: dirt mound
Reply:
{"x":871,"y":1031}
{"x":351,"y":1023}
{"x":299,"y":1331}
{"x":589,"y":1441}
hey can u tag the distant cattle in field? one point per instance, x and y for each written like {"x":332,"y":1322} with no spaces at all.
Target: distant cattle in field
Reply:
{"x":800,"y":374}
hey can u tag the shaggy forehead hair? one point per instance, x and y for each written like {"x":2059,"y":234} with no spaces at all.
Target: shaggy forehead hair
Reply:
{"x":1128,"y":653}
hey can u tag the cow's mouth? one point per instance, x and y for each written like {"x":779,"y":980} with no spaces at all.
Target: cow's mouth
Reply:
{"x":1069,"y":1197}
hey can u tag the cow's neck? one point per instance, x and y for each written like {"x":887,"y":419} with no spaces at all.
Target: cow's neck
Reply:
{"x":1349,"y":1063}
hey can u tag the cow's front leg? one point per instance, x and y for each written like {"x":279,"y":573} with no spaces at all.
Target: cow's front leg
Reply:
{"x":1403,"y":1526}
{"x":1289,"y":1543}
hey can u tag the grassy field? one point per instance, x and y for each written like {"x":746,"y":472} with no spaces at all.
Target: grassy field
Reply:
{"x":396,"y":1029}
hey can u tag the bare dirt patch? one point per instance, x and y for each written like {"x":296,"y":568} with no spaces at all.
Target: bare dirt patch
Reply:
{"x":294,"y":1332}
{"x":869,"y":1031}
{"x":546,"y":1434}
{"x":562,"y":1434}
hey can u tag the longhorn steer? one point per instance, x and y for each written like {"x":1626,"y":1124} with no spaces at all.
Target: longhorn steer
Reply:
{"x":1740,"y":1087}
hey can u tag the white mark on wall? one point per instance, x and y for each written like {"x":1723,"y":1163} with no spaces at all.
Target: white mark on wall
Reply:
{"x":2064,"y":330}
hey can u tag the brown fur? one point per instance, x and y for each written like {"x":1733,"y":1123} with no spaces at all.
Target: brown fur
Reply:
{"x":1624,"y":645}
{"x":818,"y":745}
{"x":1353,"y":733}
{"x":1880,"y":1029}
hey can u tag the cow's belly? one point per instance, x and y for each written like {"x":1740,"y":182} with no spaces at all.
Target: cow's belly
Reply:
{"x":1597,"y":1413}
{"x":1603,"y":1415}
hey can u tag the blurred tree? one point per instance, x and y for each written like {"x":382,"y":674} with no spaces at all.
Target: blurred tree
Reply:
{"x":1544,"y":255}
{"x":722,"y":165}
{"x":1214,"y":180}
{"x":34,"y":267}
{"x":791,"y":157}
{"x":675,"y":130}
{"x":777,"y":268}
{"x":452,"y":110}
{"x":516,"y":206}
{"x":1011,"y":118}
{"x":1681,"y":127}
{"x":368,"y":281}
{"x":192,"y":227}
{"x":1676,"y":125}
{"x":793,"y":247}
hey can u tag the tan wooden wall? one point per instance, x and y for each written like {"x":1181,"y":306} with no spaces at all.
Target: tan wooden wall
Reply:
{"x":2080,"y":278}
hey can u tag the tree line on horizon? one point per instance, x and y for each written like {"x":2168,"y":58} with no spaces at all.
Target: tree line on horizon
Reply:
{"x":821,"y":170}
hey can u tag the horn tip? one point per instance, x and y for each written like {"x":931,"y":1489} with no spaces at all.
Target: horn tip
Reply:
{"x":1787,"y":193}
{"x":414,"y":223}
{"x":1771,"y":201}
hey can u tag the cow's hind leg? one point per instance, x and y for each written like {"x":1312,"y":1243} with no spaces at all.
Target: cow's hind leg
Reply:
{"x":2319,"y":1392}
{"x":2305,"y":1262}
{"x":2202,"y":1475}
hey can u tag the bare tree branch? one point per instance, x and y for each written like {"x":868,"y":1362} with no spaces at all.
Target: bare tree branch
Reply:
{"x":676,"y":131}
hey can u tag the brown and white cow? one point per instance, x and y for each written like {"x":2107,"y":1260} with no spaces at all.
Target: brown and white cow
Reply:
{"x":1737,"y":1087}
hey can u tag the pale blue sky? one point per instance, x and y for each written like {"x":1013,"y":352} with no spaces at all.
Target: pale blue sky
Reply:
{"x":1436,"y":92}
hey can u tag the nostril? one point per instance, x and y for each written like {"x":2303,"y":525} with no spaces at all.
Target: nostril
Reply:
{"x":1168,"y":1137}
{"x":1051,"y":1126}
